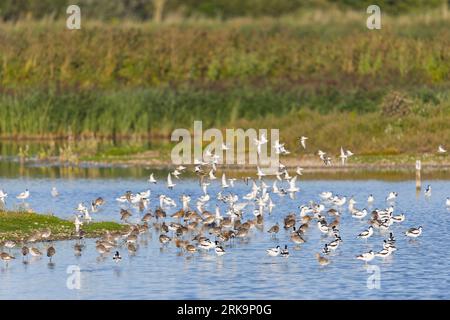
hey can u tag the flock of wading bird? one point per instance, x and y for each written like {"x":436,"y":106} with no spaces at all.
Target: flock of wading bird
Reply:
{"x":192,"y":230}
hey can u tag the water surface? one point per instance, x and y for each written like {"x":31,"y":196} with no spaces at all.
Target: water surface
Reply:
{"x":418,"y":270}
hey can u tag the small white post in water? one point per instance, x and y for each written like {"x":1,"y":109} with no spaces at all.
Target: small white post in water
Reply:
{"x":418,"y":179}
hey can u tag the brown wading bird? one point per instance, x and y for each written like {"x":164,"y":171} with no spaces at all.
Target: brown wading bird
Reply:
{"x":101,"y":249}
{"x":124,"y":215}
{"x":6,"y":257}
{"x":164,"y":239}
{"x":131,"y":248}
{"x":160,"y":213}
{"x":274,"y":229}
{"x":45,"y":234}
{"x":35,"y":252}
{"x":322,"y":261}
{"x":296,"y":237}
{"x":51,"y":252}
{"x":147,"y":217}
{"x":191,"y":249}
{"x":78,"y":249}
{"x":99,"y":202}
{"x":25,"y":252}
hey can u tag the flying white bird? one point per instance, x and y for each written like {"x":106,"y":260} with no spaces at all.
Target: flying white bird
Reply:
{"x":3,"y":196}
{"x":292,"y":187}
{"x":260,"y":173}
{"x":303,"y":141}
{"x":260,"y":142}
{"x":176,"y":173}
{"x":170,"y":184}
{"x":211,"y":175}
{"x":152,"y":179}
{"x":181,"y":168}
{"x":299,"y":171}
{"x":441,"y":149}
{"x":224,"y":181}
{"x":343,"y":156}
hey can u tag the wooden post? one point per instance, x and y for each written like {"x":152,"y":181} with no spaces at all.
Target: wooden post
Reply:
{"x":418,"y":178}
{"x":445,"y":10}
{"x":158,"y":7}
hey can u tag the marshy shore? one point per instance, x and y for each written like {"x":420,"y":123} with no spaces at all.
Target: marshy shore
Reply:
{"x":21,"y":226}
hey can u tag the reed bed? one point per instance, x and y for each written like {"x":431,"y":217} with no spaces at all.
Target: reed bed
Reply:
{"x":320,"y":73}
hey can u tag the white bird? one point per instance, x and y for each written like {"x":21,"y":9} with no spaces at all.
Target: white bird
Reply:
{"x":181,"y":168}
{"x":366,"y":233}
{"x":326,"y":195}
{"x":278,"y":147}
{"x":271,"y":205}
{"x":166,"y":201}
{"x":211,"y":175}
{"x":359,"y":214}
{"x":335,"y":243}
{"x":185,"y":201}
{"x":144,"y":194}
{"x":176,"y":173}
{"x":24,"y":195}
{"x":122,"y":199}
{"x":260,"y":142}
{"x":339,"y":201}
{"x":219,"y":249}
{"x":385,"y":252}
{"x":447,"y":202}
{"x":323,"y":227}
{"x":392,"y":196}
{"x":170,"y":184}
{"x":343,"y":156}
{"x":3,"y":196}
{"x":399,"y":218}
{"x":77,"y":223}
{"x":206,"y":244}
{"x":441,"y":149}
{"x":292,"y":187}
{"x":259,"y":173}
{"x":224,"y":181}
{"x":273,"y":252}
{"x":370,"y":199}
{"x":299,"y":171}
{"x":285,"y":252}
{"x":303,"y":141}
{"x":428,"y":191}
{"x":366,"y":257}
{"x":151,"y":179}
{"x":414,"y":232}
{"x":54,"y":192}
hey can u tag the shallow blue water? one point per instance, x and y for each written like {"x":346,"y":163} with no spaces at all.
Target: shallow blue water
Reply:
{"x":418,"y":270}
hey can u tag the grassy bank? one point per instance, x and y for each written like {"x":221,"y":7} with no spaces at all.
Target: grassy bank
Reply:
{"x":18,"y":226}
